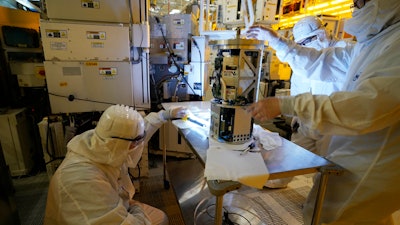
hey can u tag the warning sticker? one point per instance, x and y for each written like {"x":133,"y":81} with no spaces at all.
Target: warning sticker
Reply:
{"x":108,"y":71}
{"x":56,"y":34}
{"x":99,"y":35}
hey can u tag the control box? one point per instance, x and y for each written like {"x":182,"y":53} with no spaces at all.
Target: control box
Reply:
{"x":93,"y":86}
{"x":85,"y":41}
{"x":89,"y":10}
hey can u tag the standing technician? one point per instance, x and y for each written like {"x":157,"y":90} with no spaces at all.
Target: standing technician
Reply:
{"x":363,"y":118}
{"x":310,"y":32}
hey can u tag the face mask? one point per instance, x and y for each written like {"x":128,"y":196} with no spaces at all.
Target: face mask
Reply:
{"x":362,"y":22}
{"x":134,"y":155}
{"x":320,"y":42}
{"x":317,"y":44}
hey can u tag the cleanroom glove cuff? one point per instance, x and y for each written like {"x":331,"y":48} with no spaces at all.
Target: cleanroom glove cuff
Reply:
{"x":139,"y":214}
{"x":286,"y":104}
{"x":173,"y":113}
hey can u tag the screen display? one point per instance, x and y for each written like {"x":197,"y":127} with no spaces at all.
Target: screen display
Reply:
{"x":20,"y":37}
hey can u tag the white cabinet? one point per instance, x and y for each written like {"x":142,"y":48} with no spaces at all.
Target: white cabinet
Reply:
{"x":90,"y":10}
{"x":85,"y":41}
{"x":16,"y":141}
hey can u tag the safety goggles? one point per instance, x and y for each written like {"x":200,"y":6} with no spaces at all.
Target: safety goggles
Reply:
{"x":308,"y":40}
{"x":135,"y":140}
{"x":359,"y":3}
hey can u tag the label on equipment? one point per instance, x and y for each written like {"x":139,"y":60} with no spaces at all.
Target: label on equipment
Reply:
{"x":56,"y":33}
{"x":57,"y":45}
{"x":108,"y":72}
{"x":91,"y":4}
{"x":97,"y":44}
{"x":98,"y":35}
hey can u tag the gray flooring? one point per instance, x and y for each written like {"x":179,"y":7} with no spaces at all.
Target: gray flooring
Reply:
{"x":30,"y":197}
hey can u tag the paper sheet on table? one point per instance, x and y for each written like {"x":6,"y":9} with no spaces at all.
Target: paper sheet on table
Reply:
{"x":266,"y":139}
{"x":248,"y":169}
{"x":198,"y":121}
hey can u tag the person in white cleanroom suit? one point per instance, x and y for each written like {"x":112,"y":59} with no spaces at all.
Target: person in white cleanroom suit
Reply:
{"x":363,"y":118}
{"x":92,"y":184}
{"x":310,"y":32}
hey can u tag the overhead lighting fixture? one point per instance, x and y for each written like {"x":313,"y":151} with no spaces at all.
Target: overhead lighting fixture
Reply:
{"x":317,"y":6}
{"x":334,"y":7}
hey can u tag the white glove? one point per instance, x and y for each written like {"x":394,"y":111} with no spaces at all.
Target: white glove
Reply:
{"x":174,"y":113}
{"x":263,"y":33}
{"x":139,"y":214}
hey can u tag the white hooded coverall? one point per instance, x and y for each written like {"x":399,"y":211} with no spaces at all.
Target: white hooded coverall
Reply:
{"x":310,"y":80}
{"x":306,"y":80}
{"x":364,"y":118}
{"x":92,"y":185}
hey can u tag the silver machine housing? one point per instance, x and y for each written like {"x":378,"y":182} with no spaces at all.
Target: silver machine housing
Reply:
{"x":235,"y":85}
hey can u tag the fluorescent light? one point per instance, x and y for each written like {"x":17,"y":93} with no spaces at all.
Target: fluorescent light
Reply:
{"x":338,"y":1}
{"x":317,"y":6}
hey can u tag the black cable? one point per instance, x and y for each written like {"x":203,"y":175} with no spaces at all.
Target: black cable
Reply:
{"x":168,"y":47}
{"x":201,"y":67}
{"x":172,"y":54}
{"x":226,"y":213}
{"x":158,"y":85}
{"x":228,"y":221}
{"x":132,"y":177}
{"x":72,"y":98}
{"x":183,"y":77}
{"x":208,"y":213}
{"x":153,"y":82}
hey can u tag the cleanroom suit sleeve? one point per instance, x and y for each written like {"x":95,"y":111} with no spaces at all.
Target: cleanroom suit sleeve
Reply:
{"x":372,"y":104}
{"x":153,"y":121}
{"x":313,"y":62}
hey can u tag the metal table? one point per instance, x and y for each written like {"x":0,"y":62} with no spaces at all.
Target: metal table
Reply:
{"x":287,"y":160}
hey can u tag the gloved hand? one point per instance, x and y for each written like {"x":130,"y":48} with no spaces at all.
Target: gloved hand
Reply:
{"x":263,"y":33}
{"x":174,"y":113}
{"x":136,"y":209}
{"x":265,"y":109}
